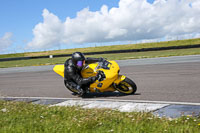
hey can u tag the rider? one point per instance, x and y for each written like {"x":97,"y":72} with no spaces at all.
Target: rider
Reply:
{"x":72,"y":74}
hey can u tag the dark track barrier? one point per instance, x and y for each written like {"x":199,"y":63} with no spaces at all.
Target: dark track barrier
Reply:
{"x":107,"y":52}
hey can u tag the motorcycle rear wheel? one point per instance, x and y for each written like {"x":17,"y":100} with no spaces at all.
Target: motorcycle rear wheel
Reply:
{"x":127,"y":86}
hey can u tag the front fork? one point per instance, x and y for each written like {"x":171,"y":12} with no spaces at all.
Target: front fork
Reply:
{"x":118,"y":80}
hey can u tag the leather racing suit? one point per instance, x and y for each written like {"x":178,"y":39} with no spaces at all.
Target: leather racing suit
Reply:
{"x":72,"y":75}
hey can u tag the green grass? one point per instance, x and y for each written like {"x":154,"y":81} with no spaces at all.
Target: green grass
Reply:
{"x":12,"y":55}
{"x":121,"y":56}
{"x":18,"y":117}
{"x":108,"y":48}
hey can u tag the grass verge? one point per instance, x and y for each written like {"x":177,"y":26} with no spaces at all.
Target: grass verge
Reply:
{"x":108,"y":48}
{"x":121,"y":56}
{"x":24,"y":117}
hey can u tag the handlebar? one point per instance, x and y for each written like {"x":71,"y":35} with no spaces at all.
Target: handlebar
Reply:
{"x":104,"y":64}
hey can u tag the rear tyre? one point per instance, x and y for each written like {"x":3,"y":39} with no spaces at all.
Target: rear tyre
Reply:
{"x":127,"y":86}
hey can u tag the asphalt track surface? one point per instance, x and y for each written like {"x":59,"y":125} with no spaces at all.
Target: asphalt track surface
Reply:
{"x":173,"y":79}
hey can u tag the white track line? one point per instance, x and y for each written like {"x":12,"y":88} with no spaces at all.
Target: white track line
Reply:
{"x":115,"y":104}
{"x":121,"y":106}
{"x":111,"y":100}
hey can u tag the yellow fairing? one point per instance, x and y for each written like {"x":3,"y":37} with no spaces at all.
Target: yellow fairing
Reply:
{"x":111,"y":76}
{"x":91,"y":70}
{"x":59,"y":69}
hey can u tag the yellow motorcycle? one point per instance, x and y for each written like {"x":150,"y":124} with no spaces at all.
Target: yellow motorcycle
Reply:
{"x":110,"y":83}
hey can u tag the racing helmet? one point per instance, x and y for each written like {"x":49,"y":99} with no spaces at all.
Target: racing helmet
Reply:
{"x":78,"y":59}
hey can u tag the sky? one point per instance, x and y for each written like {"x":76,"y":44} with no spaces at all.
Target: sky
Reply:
{"x":38,"y":25}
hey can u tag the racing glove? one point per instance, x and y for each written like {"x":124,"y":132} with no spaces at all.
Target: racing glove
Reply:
{"x":100,"y":76}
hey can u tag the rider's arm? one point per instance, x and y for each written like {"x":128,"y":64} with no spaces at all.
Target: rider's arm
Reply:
{"x":71,"y":73}
{"x":90,"y":60}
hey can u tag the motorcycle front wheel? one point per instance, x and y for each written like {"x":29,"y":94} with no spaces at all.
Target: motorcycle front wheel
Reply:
{"x":127,"y":86}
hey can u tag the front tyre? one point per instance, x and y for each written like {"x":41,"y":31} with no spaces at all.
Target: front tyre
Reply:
{"x":127,"y":86}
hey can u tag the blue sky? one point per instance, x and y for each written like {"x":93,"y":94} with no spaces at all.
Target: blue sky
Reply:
{"x":20,"y":16}
{"x":23,"y":23}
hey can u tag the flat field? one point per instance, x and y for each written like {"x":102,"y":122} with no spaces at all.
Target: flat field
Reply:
{"x":121,"y":56}
{"x":107,"y":48}
{"x":118,"y":56}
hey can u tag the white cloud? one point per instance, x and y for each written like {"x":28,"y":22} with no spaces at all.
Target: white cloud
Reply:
{"x":5,"y":41}
{"x":131,"y":20}
{"x":47,"y":33}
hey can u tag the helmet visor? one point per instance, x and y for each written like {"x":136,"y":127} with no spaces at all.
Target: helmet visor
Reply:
{"x":80,"y":63}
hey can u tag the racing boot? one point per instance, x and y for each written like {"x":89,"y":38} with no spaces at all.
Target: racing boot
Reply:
{"x":80,"y":91}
